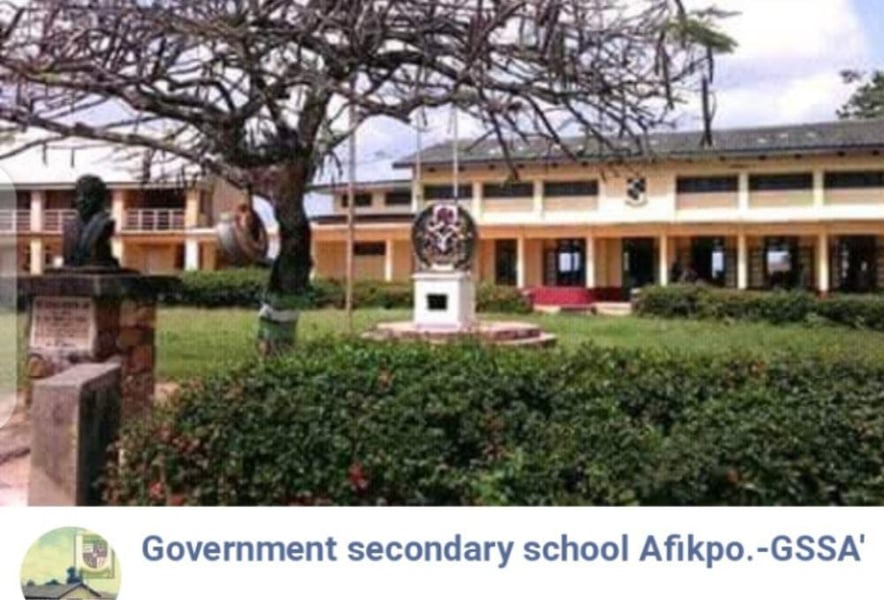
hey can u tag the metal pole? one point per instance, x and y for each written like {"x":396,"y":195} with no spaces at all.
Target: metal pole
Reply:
{"x":351,"y":208}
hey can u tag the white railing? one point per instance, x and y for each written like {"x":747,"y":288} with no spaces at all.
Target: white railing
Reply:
{"x":54,"y":219}
{"x":12,"y":220}
{"x":154,"y":219}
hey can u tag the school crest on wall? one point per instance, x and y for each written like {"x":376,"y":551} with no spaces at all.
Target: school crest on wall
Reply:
{"x":636,"y":191}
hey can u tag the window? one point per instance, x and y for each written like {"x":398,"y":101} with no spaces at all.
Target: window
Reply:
{"x":557,"y":189}
{"x":362,"y":200}
{"x":508,"y":190}
{"x":369,"y":249}
{"x":781,"y":262}
{"x":398,"y":198}
{"x":781,"y":182}
{"x":505,"y":262}
{"x":707,"y":185}
{"x":446,"y":192}
{"x":855,"y":179}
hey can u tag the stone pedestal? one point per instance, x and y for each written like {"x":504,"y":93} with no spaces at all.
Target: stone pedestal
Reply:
{"x":444,"y":299}
{"x":83,"y":316}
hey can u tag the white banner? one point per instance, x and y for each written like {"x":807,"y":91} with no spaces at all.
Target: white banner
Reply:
{"x":393,"y":553}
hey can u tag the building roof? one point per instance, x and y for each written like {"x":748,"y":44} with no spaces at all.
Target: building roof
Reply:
{"x":363,"y":186}
{"x":811,"y":138}
{"x":56,"y":591}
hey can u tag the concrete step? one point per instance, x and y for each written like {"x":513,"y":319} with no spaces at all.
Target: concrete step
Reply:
{"x":613,"y":309}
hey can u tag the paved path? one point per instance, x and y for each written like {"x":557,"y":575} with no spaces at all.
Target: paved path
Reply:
{"x":15,"y":458}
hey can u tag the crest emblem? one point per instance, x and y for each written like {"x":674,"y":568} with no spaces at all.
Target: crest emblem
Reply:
{"x":636,"y":191}
{"x":444,"y":235}
{"x":94,"y":558}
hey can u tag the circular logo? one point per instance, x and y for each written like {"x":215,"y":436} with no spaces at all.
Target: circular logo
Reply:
{"x":70,"y":563}
{"x":444,"y":235}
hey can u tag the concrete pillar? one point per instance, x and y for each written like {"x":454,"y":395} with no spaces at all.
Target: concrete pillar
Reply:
{"x":520,"y":262}
{"x":819,"y":188}
{"x":822,"y":263}
{"x":191,"y":255}
{"x":388,"y":260}
{"x":38,"y":205}
{"x":118,"y":249}
{"x":538,"y":198}
{"x":743,"y":192}
{"x":118,"y":208}
{"x":37,"y":251}
{"x":742,"y":262}
{"x":478,"y":201}
{"x":663,"y":260}
{"x":192,"y":208}
{"x":590,"y":262}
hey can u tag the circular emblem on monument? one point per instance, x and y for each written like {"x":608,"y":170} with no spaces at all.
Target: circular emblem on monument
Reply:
{"x":444,"y":235}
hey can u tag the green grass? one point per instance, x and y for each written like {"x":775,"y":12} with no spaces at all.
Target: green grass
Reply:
{"x":193,"y":341}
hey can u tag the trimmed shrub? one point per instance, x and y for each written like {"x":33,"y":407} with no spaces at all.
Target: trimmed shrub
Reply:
{"x":356,"y":423}
{"x":701,"y":302}
{"x":244,"y":288}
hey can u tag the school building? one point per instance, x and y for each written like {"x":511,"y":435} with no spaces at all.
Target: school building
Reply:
{"x":760,"y":208}
{"x":162,"y":225}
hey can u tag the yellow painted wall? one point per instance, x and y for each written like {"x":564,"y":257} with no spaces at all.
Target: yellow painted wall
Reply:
{"x":533,"y":262}
{"x":330,"y":260}
{"x":151,"y":258}
{"x":402,"y":261}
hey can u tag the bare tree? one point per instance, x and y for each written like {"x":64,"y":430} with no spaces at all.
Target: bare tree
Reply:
{"x":244,"y":88}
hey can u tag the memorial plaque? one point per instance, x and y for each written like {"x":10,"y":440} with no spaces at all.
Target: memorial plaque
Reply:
{"x":62,"y":324}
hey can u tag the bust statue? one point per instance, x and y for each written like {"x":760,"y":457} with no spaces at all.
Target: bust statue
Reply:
{"x":86,"y":239}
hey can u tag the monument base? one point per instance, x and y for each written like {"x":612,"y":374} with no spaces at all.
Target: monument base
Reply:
{"x":444,"y":299}
{"x":95,"y":316}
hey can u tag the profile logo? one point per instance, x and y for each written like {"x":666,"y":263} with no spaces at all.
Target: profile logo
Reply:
{"x":70,"y":563}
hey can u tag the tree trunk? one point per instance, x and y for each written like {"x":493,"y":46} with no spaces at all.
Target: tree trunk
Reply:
{"x":290,"y":275}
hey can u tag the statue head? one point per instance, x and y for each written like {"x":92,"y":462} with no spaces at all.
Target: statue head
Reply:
{"x":92,"y":196}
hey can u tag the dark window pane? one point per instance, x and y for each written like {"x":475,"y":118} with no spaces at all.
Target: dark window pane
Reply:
{"x":362,"y":200}
{"x":553,"y":189}
{"x":505,"y":262}
{"x":508,"y":190}
{"x":398,"y":198}
{"x":855,"y":179}
{"x":446,"y":192}
{"x":781,"y":182}
{"x":707,"y":185}
{"x":369,"y":249}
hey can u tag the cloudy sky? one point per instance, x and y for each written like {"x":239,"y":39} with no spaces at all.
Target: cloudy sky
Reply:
{"x":786,"y":70}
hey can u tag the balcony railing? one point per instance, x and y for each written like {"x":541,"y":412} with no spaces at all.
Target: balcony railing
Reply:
{"x":12,"y":220}
{"x":54,"y":219}
{"x":154,"y":219}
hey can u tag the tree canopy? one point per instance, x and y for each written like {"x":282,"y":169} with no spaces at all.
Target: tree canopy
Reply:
{"x":243,"y":88}
{"x":867,"y":101}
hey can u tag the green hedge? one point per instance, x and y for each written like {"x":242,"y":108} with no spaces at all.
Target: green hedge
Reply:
{"x":244,"y":287}
{"x":702,"y":302}
{"x":365,"y":424}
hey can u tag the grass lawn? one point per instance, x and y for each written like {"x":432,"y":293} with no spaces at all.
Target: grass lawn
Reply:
{"x":193,"y":341}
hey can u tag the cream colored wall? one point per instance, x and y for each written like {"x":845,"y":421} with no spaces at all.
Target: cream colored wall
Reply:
{"x":150,"y":258}
{"x":664,"y":205}
{"x":378,"y":205}
{"x":706,"y":201}
{"x":533,"y":262}
{"x":330,"y":260}
{"x":368,"y":267}
{"x":402,"y":261}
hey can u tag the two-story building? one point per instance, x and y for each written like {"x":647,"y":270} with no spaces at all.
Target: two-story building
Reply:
{"x":772,"y":207}
{"x":163,"y":225}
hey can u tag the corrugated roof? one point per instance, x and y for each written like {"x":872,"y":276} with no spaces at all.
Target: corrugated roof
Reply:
{"x":812,"y":138}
